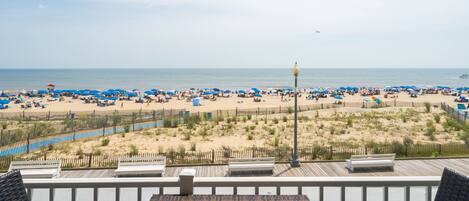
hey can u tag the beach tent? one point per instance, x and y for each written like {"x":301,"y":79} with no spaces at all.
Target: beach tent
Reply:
{"x":171,"y":92}
{"x":338,"y":97}
{"x":42,"y":91}
{"x":258,"y":95}
{"x":461,"y":106}
{"x":197,"y":101}
{"x":241,"y":91}
{"x":132,"y":94}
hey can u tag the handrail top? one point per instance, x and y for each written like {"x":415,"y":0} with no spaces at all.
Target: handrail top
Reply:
{"x":235,"y":179}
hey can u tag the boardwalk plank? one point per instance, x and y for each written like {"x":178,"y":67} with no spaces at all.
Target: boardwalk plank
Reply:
{"x":428,"y":167}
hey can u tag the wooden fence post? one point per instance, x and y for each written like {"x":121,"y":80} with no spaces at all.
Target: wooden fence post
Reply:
{"x":213,"y":156}
{"x":331,"y":152}
{"x":406,"y":150}
{"x":439,"y":149}
{"x":366,"y":150}
{"x":90,"y":159}
{"x":154,"y":117}
{"x":1,"y":137}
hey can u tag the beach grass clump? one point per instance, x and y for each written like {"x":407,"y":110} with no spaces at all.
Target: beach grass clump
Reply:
{"x":285,"y":118}
{"x":181,"y":150}
{"x":428,"y":107}
{"x":275,"y":141}
{"x":430,"y":131}
{"x":133,"y":150}
{"x":193,"y":146}
{"x":105,"y":142}
{"x":249,"y":117}
{"x":349,"y":122}
{"x":4,"y":125}
{"x":80,"y":153}
{"x":437,"y":118}
{"x":250,"y":136}
{"x":290,"y":110}
{"x":126,"y":127}
{"x":186,"y":135}
{"x":275,"y":121}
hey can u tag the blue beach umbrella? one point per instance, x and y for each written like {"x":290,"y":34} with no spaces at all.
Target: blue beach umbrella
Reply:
{"x":4,"y":101}
{"x":256,"y":90}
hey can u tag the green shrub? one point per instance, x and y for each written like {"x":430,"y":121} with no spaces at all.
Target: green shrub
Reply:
{"x":285,"y":119}
{"x":249,"y":117}
{"x":290,"y":110}
{"x":104,"y":142}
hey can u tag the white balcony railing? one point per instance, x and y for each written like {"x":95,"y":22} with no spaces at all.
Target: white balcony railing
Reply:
{"x":316,"y":188}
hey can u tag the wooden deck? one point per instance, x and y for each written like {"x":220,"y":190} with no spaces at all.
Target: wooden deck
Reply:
{"x":427,"y":167}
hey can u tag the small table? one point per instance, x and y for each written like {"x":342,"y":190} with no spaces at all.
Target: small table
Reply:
{"x":229,"y":198}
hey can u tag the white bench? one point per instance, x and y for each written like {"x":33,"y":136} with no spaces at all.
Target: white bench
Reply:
{"x":141,"y":166}
{"x":37,"y":169}
{"x":251,"y":165}
{"x":371,"y":161}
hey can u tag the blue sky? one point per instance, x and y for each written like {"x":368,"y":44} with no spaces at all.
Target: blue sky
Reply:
{"x":234,"y":33}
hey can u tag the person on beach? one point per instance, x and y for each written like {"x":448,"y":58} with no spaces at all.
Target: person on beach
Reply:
{"x":122,"y":105}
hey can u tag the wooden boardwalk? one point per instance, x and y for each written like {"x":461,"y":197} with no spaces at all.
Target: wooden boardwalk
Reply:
{"x":426,"y":167}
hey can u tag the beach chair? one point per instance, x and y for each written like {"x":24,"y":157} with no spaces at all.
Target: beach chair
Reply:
{"x":141,"y":166}
{"x":371,"y":161}
{"x":453,"y":187}
{"x":240,"y":165}
{"x":37,"y":169}
{"x":12,"y":187}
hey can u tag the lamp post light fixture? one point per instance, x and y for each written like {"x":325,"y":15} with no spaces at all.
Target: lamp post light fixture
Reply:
{"x":294,"y":161}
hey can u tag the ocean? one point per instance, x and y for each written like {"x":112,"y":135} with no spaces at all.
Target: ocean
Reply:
{"x":17,"y":79}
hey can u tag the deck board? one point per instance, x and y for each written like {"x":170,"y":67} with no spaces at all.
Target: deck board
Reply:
{"x":427,"y":167}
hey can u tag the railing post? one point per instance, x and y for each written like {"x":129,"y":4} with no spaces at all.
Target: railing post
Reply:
{"x":186,"y":181}
{"x":407,"y":193}
{"x":439,"y":149}
{"x":364,"y":193}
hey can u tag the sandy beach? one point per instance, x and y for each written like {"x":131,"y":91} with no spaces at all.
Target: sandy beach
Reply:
{"x":230,"y":103}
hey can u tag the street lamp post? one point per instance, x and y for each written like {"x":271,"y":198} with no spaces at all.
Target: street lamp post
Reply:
{"x":295,"y":162}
